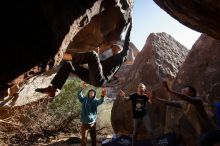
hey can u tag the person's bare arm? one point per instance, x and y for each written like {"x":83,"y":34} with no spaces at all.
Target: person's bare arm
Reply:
{"x":167,"y":102}
{"x":150,"y":97}
{"x":80,"y":93}
{"x":157,"y":99}
{"x":179,"y":95}
{"x":103,"y":95}
{"x":122,"y":94}
{"x":67,"y":57}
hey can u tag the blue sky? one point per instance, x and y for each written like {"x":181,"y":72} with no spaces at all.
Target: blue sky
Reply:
{"x":150,"y":18}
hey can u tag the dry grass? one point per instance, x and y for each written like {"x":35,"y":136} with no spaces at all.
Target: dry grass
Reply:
{"x":44,"y":120}
{"x":38,"y":121}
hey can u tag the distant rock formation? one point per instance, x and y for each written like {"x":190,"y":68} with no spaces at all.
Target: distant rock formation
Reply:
{"x":201,"y":68}
{"x":160,"y":59}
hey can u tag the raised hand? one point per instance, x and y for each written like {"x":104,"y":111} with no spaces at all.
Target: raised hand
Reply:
{"x":149,"y":94}
{"x":104,"y":92}
{"x":121,"y":93}
{"x":67,"y":57}
{"x":84,"y":85}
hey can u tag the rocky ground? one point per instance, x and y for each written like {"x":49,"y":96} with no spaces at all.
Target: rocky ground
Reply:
{"x":72,"y":140}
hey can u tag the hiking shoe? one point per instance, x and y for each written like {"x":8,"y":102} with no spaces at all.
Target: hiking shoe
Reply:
{"x":50,"y":91}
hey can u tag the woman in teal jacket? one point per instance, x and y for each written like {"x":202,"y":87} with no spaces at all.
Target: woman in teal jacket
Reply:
{"x":89,"y":114}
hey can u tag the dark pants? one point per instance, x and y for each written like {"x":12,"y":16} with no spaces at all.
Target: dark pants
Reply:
{"x":147,"y":124}
{"x":97,"y":74}
{"x":85,"y":128}
{"x":209,"y":138}
{"x":93,"y":75}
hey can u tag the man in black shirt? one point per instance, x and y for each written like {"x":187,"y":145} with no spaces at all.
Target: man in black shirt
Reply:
{"x":98,"y":72}
{"x":139,"y":107}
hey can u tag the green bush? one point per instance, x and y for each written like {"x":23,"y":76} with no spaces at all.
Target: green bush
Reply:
{"x":67,"y":103}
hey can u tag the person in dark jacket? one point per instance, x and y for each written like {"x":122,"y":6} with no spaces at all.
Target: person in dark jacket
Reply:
{"x":98,"y":72}
{"x":89,"y":114}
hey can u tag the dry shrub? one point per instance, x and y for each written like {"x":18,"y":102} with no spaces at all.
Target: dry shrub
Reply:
{"x":27,"y":124}
{"x":40,"y":120}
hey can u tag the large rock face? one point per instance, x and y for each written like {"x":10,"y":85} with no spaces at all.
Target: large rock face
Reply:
{"x":202,"y":16}
{"x":36,"y":33}
{"x":160,"y":58}
{"x":200,"y":70}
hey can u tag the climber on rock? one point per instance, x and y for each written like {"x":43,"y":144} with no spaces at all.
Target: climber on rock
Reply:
{"x":98,"y":72}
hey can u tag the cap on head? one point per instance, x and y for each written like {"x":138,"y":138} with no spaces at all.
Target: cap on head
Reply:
{"x":116,"y":48}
